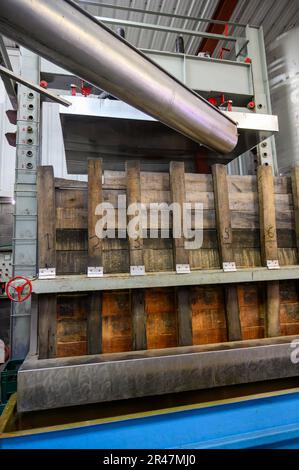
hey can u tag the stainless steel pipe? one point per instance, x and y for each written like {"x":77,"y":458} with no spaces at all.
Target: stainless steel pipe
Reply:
{"x":65,"y":34}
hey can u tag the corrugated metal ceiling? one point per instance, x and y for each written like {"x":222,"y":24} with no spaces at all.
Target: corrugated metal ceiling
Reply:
{"x":276,"y":17}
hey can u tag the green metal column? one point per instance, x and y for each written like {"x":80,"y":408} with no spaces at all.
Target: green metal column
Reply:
{"x":25,"y":222}
{"x":256,"y":51}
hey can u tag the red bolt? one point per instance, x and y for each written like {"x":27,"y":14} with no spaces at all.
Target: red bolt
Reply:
{"x":43,"y":84}
{"x":248,"y":60}
{"x":213,"y":101}
{"x":251,"y":105}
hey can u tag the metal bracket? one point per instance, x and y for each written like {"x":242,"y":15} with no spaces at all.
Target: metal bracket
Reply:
{"x":273,"y":264}
{"x":47,"y":273}
{"x":229,"y":267}
{"x":42,"y":91}
{"x":137,"y":270}
{"x":95,"y":271}
{"x":182,"y":268}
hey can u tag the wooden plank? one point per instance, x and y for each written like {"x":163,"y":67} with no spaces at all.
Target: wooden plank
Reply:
{"x":139,"y":339}
{"x":223,"y":215}
{"x":178,"y":195}
{"x":181,"y":256}
{"x":267,"y":214}
{"x":47,"y":325}
{"x":94,"y":324}
{"x":184,"y":316}
{"x":161,"y":320}
{"x":117,"y":324}
{"x":225,"y":240}
{"x":160,"y":181}
{"x":134,"y":197}
{"x":95,"y":197}
{"x":46,"y":213}
{"x":95,"y":255}
{"x":269,"y":246}
{"x":295,"y":192}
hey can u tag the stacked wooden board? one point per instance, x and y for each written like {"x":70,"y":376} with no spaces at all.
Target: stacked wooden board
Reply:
{"x":247,"y":220}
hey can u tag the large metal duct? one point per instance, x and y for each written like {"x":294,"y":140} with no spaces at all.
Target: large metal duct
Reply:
{"x":283,"y":60}
{"x":66,"y":35}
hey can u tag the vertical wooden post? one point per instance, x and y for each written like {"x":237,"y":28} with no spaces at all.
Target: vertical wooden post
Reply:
{"x":95,"y":256}
{"x":269,"y":249}
{"x":46,"y":214}
{"x":295,"y":190}
{"x":139,"y":340}
{"x":177,"y":190}
{"x":225,"y":242}
{"x":47,"y":323}
{"x":95,"y":197}
{"x":181,"y":256}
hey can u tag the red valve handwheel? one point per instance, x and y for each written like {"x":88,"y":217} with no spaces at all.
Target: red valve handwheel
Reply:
{"x":19,"y":289}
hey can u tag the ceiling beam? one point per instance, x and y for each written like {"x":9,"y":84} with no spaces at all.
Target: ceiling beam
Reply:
{"x":224,"y":12}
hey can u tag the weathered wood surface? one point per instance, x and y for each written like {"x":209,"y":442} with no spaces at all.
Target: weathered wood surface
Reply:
{"x":46,"y":217}
{"x":139,"y":340}
{"x":295,"y":192}
{"x":269,"y":246}
{"x":169,"y":317}
{"x":226,"y":252}
{"x":47,"y":326}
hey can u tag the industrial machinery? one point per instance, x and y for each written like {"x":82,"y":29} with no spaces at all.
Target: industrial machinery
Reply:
{"x":141,"y":112}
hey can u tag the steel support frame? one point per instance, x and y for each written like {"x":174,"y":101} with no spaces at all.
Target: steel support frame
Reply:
{"x":255,"y":50}
{"x":25,"y":217}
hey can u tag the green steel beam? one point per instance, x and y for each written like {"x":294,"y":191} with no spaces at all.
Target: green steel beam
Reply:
{"x":158,"y":13}
{"x":154,"y":27}
{"x":81,"y":283}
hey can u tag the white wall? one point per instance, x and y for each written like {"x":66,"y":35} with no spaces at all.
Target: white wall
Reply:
{"x":52,"y":142}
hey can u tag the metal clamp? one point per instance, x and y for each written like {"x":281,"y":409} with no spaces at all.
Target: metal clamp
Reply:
{"x":182,"y":268}
{"x":97,"y":271}
{"x":273,"y":264}
{"x":137,"y":270}
{"x":47,"y":273}
{"x":229,"y":267}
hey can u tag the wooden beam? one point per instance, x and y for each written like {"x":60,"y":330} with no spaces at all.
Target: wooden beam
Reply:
{"x":178,"y":195}
{"x":295,"y":190}
{"x":46,"y":232}
{"x":46,"y":214}
{"x":95,"y":197}
{"x":95,"y":255}
{"x":181,"y":256}
{"x":226,"y":254}
{"x":134,"y":197}
{"x":269,"y":248}
{"x":139,"y":339}
{"x":47,"y":321}
{"x":184,"y":316}
{"x":94,"y":324}
{"x":224,"y":11}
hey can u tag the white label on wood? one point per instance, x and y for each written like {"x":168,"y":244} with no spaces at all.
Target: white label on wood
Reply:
{"x":229,"y":267}
{"x":183,"y":268}
{"x":47,"y":273}
{"x":273,"y":264}
{"x":97,"y":271}
{"x":137,"y":270}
